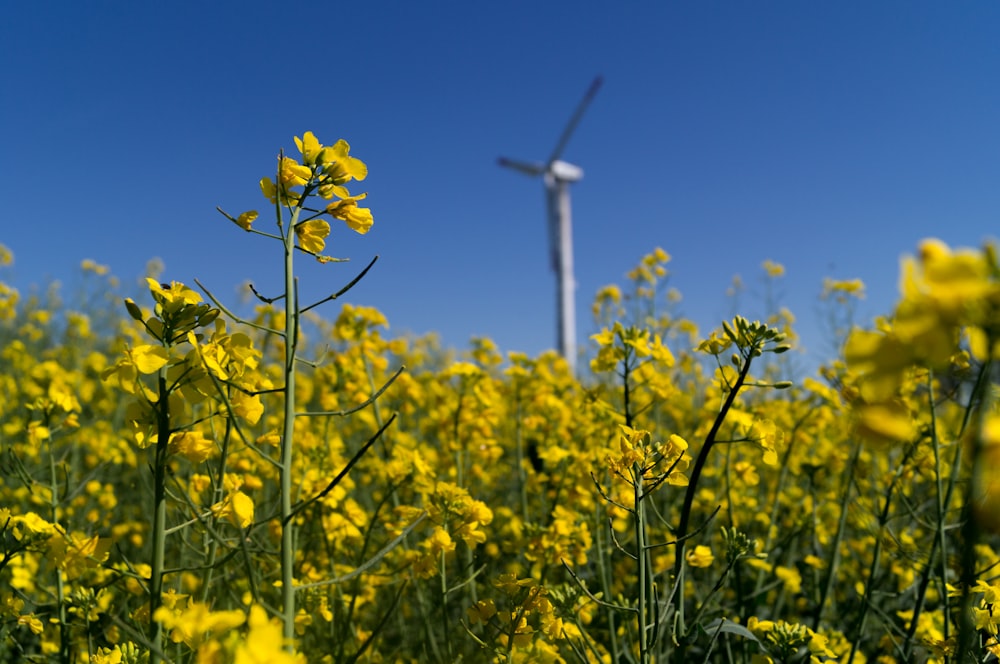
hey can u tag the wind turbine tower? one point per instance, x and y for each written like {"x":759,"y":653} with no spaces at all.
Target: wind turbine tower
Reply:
{"x":558,"y":175}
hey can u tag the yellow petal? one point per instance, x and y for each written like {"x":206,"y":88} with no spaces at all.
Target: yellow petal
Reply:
{"x":309,"y":146}
{"x":885,"y":422}
{"x":149,"y":359}
{"x":347,"y":210}
{"x":312,"y":235}
{"x":242,"y":509}
{"x":248,"y":407}
{"x":245,"y":219}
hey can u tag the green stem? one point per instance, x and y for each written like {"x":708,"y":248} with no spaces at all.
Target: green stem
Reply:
{"x":699,"y":465}
{"x":159,"y":515}
{"x":682,"y":528}
{"x":643,"y":572}
{"x":287,"y":439}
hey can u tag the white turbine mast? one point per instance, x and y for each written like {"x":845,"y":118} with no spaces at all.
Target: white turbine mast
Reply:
{"x":558,"y":175}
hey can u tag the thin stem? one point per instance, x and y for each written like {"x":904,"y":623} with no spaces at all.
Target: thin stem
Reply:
{"x":699,"y":463}
{"x":288,"y":437}
{"x":159,"y":515}
{"x":641,"y":558}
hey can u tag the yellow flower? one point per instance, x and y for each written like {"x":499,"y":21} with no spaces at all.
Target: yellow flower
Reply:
{"x":89,"y":265}
{"x":880,"y":359}
{"x":819,"y":645}
{"x":37,"y":434}
{"x":247,"y":406}
{"x":611,"y":293}
{"x":192,"y":445}
{"x":270,"y":190}
{"x":309,"y":146}
{"x":660,"y":352}
{"x":107,"y":656}
{"x":147,"y":359}
{"x":340,"y":166}
{"x":440,"y":541}
{"x":840,"y":289}
{"x":949,"y":280}
{"x":264,"y":643}
{"x":714,"y":344}
{"x":292,"y":174}
{"x":814,"y":561}
{"x":700,"y":556}
{"x":633,"y":445}
{"x":347,"y":210}
{"x":773,"y":269}
{"x":312,"y":235}
{"x":31,"y":524}
{"x":481,"y":612}
{"x":144,"y":359}
{"x":76,"y":553}
{"x":32,"y":622}
{"x":174,"y":294}
{"x":245,"y":219}
{"x":237,"y":507}
{"x":192,"y":624}
{"x":510,"y":584}
{"x":791,"y":578}
{"x":885,"y":422}
{"x":608,"y":353}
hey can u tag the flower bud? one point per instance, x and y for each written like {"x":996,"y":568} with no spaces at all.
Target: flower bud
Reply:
{"x":133,"y":309}
{"x":208,"y":317}
{"x":727,"y":328}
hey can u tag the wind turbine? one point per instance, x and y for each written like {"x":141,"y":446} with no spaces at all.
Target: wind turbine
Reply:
{"x":558,"y":175}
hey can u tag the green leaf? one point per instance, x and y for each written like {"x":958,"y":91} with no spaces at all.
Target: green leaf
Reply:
{"x":724,"y":626}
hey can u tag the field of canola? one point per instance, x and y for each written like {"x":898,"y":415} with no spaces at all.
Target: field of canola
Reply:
{"x":179,"y":484}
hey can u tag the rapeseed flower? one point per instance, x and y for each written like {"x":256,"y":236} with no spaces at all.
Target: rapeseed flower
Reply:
{"x":699,"y":556}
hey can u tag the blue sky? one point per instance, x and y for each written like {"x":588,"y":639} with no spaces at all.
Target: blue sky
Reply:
{"x":830,"y":137}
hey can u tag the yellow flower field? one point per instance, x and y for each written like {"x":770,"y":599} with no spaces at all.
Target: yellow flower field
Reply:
{"x":184,"y":484}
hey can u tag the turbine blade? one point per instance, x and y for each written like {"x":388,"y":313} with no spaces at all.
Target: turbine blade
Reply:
{"x":575,"y":120}
{"x":526,"y":167}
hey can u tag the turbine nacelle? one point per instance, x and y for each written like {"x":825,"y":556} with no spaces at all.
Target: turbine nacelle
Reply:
{"x":562,"y":171}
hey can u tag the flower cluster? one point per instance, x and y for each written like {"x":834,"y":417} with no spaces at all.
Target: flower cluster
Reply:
{"x":323,"y":171}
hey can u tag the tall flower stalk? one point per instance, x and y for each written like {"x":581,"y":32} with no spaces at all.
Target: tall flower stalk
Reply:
{"x":152,"y":417}
{"x":322,"y":172}
{"x":750,"y":340}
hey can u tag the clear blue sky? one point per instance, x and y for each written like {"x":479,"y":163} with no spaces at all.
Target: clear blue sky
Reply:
{"x":830,"y":137}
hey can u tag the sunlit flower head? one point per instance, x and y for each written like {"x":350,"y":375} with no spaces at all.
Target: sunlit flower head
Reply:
{"x":346,"y":209}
